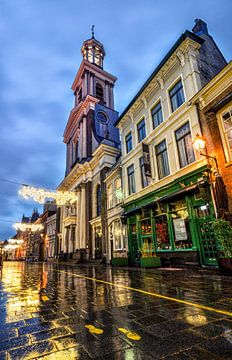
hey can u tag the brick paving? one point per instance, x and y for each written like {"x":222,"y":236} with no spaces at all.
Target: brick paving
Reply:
{"x":45,"y":308}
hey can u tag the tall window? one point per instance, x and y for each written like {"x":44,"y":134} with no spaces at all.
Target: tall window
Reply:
{"x":98,"y":195}
{"x":118,"y":244}
{"x":162,"y":159}
{"x":129,"y":144}
{"x":141,"y":128}
{"x":118,"y":190}
{"x":99,"y":92}
{"x":176,"y":95}
{"x":184,"y":145}
{"x":157,"y":116}
{"x":227,"y":128}
{"x":131,"y":179}
{"x":76,"y":150}
{"x":110,"y":196}
{"x":80,"y":95}
{"x":144,"y":179}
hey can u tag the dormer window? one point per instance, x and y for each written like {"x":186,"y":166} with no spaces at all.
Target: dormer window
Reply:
{"x":99,"y":92}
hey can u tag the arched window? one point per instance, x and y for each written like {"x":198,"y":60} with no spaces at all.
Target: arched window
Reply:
{"x":99,"y":92}
{"x":98,"y":195}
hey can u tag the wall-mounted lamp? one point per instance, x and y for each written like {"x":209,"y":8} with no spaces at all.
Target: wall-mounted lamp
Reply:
{"x":199,"y":145}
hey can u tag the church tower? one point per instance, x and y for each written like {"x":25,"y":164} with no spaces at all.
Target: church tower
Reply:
{"x":93,"y":90}
{"x":92,"y":148}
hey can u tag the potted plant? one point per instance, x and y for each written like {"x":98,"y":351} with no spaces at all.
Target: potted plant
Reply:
{"x":223,"y":235}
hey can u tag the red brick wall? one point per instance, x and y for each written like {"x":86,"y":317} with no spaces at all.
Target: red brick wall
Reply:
{"x":214,"y":143}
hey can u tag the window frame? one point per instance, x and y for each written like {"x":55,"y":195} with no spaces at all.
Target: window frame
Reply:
{"x":225,"y":142}
{"x":143,"y":129}
{"x":176,"y":143}
{"x":156,"y":155}
{"x":159,"y":101}
{"x":133,"y":189}
{"x":172,"y":85}
{"x":126,"y":142}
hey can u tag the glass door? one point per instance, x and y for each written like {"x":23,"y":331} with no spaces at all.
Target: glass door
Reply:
{"x":208,"y":244}
{"x":133,"y":255}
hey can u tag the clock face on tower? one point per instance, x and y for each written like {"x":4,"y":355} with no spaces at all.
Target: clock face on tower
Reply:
{"x":102,"y":117}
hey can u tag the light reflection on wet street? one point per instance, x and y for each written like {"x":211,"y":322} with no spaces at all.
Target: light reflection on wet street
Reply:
{"x":49,"y":312}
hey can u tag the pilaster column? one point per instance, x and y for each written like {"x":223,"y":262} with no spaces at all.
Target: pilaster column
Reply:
{"x":92,"y":84}
{"x":78,"y":222}
{"x":107,"y":94}
{"x":83,"y":218}
{"x":93,"y":242}
{"x":111,"y":96}
{"x":84,"y":138}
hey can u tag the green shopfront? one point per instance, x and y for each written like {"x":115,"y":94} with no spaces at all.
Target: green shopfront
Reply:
{"x":174,"y":222}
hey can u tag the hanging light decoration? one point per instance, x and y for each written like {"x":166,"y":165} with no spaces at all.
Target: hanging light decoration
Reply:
{"x":40,"y":195}
{"x":28,"y":227}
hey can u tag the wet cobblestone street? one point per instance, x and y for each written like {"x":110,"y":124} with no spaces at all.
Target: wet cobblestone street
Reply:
{"x":53,"y":311}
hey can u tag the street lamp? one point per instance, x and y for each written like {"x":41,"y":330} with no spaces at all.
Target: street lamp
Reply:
{"x":199,"y":145}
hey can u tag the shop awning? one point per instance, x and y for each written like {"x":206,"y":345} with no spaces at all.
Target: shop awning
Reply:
{"x":165,"y":198}
{"x":177,"y":193}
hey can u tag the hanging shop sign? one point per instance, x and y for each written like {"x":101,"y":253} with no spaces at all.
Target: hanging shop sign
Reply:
{"x":147,"y":160}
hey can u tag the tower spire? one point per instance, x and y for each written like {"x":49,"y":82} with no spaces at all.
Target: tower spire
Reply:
{"x":92,"y":29}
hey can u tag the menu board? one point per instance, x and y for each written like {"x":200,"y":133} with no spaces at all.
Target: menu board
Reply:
{"x":180,"y":229}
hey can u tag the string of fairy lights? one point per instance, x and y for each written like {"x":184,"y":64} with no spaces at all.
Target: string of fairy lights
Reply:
{"x":40,"y":195}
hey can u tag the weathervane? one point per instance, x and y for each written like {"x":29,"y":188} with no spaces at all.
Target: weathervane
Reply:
{"x":92,"y":29}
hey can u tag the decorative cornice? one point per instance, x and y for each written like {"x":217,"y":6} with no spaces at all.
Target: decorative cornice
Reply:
{"x":80,"y":110}
{"x":86,"y":65}
{"x":188,"y":47}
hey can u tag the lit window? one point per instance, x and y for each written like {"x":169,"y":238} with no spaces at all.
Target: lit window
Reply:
{"x":157,"y":116}
{"x":162,"y":159}
{"x":141,"y":128}
{"x":129,"y":144}
{"x":176,"y":95}
{"x":110,"y":196}
{"x":227,"y":128}
{"x":184,"y":145}
{"x":131,"y":179}
{"x":118,"y":243}
{"x":118,"y":190}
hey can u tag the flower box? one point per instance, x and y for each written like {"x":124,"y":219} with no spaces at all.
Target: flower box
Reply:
{"x":150,"y":262}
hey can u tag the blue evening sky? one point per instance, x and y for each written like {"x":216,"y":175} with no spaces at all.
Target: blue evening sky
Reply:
{"x":40,"y":55}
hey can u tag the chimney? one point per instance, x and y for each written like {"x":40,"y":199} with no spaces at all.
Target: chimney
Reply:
{"x":200,"y":27}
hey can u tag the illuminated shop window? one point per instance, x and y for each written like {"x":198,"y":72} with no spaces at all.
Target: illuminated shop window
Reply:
{"x":181,"y":225}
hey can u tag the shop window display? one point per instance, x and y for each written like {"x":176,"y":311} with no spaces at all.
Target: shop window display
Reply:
{"x":161,"y":231}
{"x":181,"y":226}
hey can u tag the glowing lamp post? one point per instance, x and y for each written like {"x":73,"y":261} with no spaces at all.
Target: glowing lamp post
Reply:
{"x":199,"y":145}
